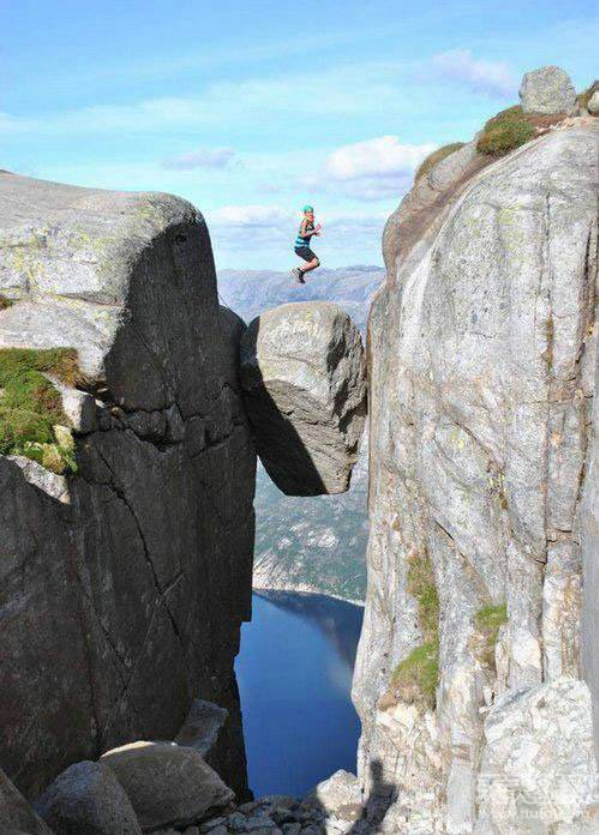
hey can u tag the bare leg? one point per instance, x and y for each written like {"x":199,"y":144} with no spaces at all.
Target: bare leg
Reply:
{"x":311,"y":265}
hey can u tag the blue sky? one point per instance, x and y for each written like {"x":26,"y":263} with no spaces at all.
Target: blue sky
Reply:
{"x":250,"y":109}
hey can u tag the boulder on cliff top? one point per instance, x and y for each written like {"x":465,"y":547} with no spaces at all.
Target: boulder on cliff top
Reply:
{"x":548,"y":90}
{"x":87,"y":799}
{"x":16,"y":815}
{"x":166,"y":784}
{"x":593,"y":105}
{"x":202,"y":730}
{"x":340,"y":795}
{"x":303,"y":373}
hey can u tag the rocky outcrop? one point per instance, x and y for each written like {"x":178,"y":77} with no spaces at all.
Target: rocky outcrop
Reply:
{"x":16,"y":816}
{"x":123,"y":587}
{"x":166,"y":784}
{"x":482,"y":352}
{"x":87,"y":799}
{"x":548,"y":90}
{"x":304,"y":379}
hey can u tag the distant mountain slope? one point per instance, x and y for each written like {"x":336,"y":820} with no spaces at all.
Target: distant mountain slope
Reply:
{"x":308,"y":544}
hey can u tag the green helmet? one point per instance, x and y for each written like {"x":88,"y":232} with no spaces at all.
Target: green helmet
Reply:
{"x":308,"y":209}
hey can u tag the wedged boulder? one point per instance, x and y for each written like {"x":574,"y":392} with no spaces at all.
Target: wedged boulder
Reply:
{"x":16,"y":815}
{"x":167,"y":785}
{"x":87,"y":799}
{"x":303,"y":373}
{"x":548,"y":90}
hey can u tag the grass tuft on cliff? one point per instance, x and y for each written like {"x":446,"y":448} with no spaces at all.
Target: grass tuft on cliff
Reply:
{"x":432,"y":159}
{"x":5,"y":302}
{"x":488,"y":621}
{"x":31,"y":413}
{"x":503,"y":133}
{"x":415,"y":679}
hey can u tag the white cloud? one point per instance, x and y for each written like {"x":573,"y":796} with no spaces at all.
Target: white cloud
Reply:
{"x":491,"y":78}
{"x":254,"y":216}
{"x":379,"y":157}
{"x":375,"y":169}
{"x":201,"y":158}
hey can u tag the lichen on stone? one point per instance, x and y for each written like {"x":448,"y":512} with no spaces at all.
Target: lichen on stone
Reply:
{"x":32,"y":420}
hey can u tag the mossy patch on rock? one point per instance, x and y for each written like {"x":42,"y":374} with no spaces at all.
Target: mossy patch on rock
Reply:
{"x":31,"y":413}
{"x":5,"y":302}
{"x":488,"y":622}
{"x":415,"y":679}
{"x":432,"y":159}
{"x":503,"y":133}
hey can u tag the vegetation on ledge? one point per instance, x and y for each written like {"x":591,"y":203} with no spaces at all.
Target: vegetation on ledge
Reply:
{"x":488,"y":621}
{"x":505,"y":132}
{"x":432,"y":159}
{"x":415,"y":679}
{"x":5,"y":302}
{"x":32,"y":420}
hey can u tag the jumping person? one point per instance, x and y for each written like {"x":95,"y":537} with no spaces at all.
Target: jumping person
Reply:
{"x":302,"y":245}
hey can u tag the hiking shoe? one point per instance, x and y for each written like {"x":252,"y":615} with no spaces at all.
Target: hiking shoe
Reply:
{"x":297,"y":274}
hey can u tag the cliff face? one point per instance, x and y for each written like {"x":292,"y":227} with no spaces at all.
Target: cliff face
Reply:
{"x":123,"y":587}
{"x":482,"y":377}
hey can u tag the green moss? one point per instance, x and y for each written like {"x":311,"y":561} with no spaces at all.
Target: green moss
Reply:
{"x":5,"y":302}
{"x":421,"y":585}
{"x":31,"y":407}
{"x":436,"y":156}
{"x":415,"y":678}
{"x":506,"y":131}
{"x":488,"y":621}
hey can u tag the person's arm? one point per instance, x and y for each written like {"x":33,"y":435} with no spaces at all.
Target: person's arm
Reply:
{"x":306,"y":234}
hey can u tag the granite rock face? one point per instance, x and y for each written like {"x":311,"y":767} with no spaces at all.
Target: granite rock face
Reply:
{"x":482,"y":378}
{"x":16,"y":815}
{"x":548,"y":90}
{"x":134,"y":576}
{"x":87,"y":799}
{"x":303,"y":374}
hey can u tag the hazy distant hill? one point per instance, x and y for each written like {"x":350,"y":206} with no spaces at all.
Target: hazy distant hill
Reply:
{"x":308,"y":544}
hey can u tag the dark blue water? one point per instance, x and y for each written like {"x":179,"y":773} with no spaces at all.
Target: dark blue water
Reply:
{"x":294,"y":671}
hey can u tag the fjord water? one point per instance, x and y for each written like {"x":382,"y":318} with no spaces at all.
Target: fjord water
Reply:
{"x":294,"y":672}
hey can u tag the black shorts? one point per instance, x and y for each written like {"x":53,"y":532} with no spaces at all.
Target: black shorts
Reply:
{"x":306,"y":253}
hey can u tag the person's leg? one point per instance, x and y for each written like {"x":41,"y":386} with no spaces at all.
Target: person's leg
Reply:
{"x":311,"y":265}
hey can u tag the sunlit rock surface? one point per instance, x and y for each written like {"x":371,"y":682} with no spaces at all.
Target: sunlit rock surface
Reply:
{"x":303,"y":374}
{"x":482,"y":377}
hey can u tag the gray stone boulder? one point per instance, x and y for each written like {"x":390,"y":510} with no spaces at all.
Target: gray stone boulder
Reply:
{"x":166,"y":784}
{"x":206,"y":731}
{"x":593,"y":105}
{"x":151,"y":543}
{"x":548,"y":90}
{"x":303,"y":373}
{"x":340,"y":795}
{"x":16,"y":815}
{"x":87,"y":799}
